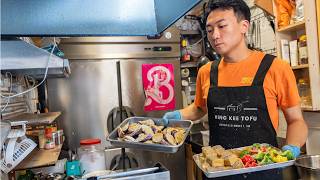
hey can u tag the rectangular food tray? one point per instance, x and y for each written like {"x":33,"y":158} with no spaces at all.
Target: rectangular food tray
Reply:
{"x":228,"y":172}
{"x":113,"y":136}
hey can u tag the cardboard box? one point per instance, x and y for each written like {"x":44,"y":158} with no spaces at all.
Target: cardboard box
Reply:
{"x":293,"y":48}
{"x":285,"y":54}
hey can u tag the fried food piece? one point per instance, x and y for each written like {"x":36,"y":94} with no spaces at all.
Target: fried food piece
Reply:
{"x":148,"y":122}
{"x":170,"y":139}
{"x":231,"y":160}
{"x":226,"y":154}
{"x":219,"y":150}
{"x":157,"y":138}
{"x":178,"y":136}
{"x":215,"y":162}
{"x":205,"y":166}
{"x":237,"y":164}
{"x":208,"y":151}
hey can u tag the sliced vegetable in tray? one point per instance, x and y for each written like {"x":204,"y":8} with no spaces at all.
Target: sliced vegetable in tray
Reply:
{"x":261,"y":154}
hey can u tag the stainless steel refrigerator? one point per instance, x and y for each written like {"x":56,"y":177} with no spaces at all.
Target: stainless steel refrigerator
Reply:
{"x":90,"y":93}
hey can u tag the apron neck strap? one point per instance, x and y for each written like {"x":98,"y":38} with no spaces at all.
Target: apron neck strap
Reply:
{"x":263,"y":69}
{"x":214,"y":73}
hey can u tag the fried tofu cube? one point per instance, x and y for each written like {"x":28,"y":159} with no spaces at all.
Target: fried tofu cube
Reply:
{"x":216,"y":162}
{"x":218,"y":149}
{"x":230,"y":161}
{"x":226,"y":154}
{"x":237,"y":164}
{"x":208,"y":152}
{"x":205,"y":166}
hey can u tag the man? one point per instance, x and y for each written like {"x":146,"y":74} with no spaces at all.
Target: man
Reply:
{"x":242,"y":92}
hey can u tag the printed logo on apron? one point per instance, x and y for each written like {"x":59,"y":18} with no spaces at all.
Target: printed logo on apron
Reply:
{"x":235,"y":115}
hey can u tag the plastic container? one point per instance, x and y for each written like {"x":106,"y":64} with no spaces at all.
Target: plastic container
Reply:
{"x":42,"y":139}
{"x":304,"y":92}
{"x":205,"y":138}
{"x":91,"y":155}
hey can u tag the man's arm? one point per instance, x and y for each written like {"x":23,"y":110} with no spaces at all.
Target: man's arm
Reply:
{"x":192,"y":112}
{"x":297,"y":130}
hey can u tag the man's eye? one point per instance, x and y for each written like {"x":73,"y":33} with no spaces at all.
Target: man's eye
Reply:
{"x":222,"y":26}
{"x":209,"y":30}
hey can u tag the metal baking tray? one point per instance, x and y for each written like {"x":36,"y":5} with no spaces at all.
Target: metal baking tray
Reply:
{"x":113,"y":136}
{"x":228,"y":172}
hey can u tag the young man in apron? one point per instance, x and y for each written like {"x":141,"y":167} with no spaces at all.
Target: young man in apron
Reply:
{"x":242,"y":92}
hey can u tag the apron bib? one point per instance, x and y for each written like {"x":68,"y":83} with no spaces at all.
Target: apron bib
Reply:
{"x":238,"y":116}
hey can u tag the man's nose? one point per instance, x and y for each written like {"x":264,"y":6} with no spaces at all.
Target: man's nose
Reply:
{"x":215,"y":34}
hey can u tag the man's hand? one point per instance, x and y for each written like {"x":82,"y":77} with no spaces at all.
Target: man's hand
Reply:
{"x":294,"y":149}
{"x":174,"y":115}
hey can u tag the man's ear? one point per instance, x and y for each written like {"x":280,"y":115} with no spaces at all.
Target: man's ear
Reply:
{"x":245,"y":24}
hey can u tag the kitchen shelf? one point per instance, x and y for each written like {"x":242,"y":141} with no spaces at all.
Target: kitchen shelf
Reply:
{"x":310,"y":71}
{"x":188,"y":64}
{"x":307,"y":108}
{"x":40,"y":157}
{"x":293,"y":27}
{"x":300,"y":66}
{"x":190,"y":32}
{"x":35,"y":119}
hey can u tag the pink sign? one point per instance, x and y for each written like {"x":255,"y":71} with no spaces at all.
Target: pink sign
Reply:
{"x":158,"y":85}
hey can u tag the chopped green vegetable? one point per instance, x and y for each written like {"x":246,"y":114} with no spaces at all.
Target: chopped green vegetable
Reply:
{"x":266,"y":160}
{"x":288,"y":154}
{"x":243,"y":153}
{"x":257,"y":145}
{"x":259,"y":156}
{"x":273,"y":152}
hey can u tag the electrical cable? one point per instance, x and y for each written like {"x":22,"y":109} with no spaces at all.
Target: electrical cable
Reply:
{"x":44,"y":78}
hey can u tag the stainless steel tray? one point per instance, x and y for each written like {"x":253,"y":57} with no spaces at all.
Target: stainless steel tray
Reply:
{"x":113,"y":136}
{"x":219,"y":173}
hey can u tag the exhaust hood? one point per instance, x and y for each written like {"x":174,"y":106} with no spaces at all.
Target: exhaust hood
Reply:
{"x":91,"y":18}
{"x":20,"y":57}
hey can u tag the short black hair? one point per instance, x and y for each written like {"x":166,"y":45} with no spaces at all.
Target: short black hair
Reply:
{"x":240,"y":8}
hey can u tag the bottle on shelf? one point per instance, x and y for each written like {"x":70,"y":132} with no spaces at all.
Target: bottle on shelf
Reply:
{"x":303,"y":52}
{"x":304,"y":92}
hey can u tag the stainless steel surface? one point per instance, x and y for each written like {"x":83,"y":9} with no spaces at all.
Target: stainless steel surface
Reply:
{"x":90,"y":93}
{"x":36,"y":119}
{"x":113,"y":136}
{"x":175,"y":163}
{"x":85,"y":99}
{"x":242,"y":170}
{"x":173,"y":37}
{"x":313,"y":143}
{"x":101,"y":18}
{"x":308,"y":167}
{"x":133,"y":172}
{"x":21,"y":57}
{"x":122,"y":47}
{"x":154,"y":173}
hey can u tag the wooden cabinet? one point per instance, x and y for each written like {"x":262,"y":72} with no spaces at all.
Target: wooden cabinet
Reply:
{"x":310,"y":71}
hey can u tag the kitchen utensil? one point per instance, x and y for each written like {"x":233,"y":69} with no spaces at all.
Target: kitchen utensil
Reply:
{"x":219,"y":173}
{"x":308,"y":167}
{"x":113,"y":136}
